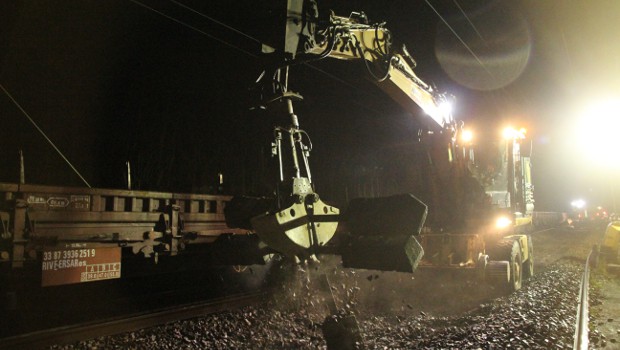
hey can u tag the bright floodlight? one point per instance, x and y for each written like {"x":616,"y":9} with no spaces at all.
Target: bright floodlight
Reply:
{"x":598,"y":131}
{"x":503,"y":222}
{"x":445,"y":107}
{"x":578,"y":203}
{"x":467,"y":136}
{"x":511,"y":133}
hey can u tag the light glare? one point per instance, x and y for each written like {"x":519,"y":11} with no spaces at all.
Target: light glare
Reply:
{"x":445,"y":107}
{"x":503,"y":222}
{"x":598,"y":131}
{"x":578,"y":203}
{"x":511,"y":133}
{"x":467,"y":136}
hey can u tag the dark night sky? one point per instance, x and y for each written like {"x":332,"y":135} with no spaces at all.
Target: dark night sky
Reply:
{"x":111,"y":81}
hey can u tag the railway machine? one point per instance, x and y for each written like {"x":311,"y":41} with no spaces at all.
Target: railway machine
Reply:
{"x":372,"y":232}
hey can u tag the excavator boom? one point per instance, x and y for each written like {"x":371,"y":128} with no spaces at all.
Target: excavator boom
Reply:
{"x":352,"y":38}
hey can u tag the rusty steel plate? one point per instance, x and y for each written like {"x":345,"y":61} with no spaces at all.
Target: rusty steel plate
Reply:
{"x":68,"y":266}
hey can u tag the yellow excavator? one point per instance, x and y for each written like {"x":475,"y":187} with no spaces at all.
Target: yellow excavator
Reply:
{"x":382,"y":233}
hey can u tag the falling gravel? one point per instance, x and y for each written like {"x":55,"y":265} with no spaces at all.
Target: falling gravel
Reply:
{"x":539,"y":316}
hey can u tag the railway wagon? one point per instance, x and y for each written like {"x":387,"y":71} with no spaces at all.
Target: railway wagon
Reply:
{"x":71,"y":235}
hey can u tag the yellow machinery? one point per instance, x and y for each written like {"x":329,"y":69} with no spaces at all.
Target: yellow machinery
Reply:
{"x":491,"y":238}
{"x":610,"y":248}
{"x":382,"y":232}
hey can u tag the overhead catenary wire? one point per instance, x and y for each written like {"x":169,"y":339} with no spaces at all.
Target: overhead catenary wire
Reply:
{"x":469,"y":21}
{"x":44,"y":135}
{"x":194,"y":28}
{"x":215,"y":21}
{"x":460,"y":39}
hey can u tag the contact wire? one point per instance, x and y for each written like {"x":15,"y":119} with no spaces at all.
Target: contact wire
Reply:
{"x":44,"y":135}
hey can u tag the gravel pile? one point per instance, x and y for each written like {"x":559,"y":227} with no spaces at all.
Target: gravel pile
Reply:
{"x":604,"y":331}
{"x":539,"y":316}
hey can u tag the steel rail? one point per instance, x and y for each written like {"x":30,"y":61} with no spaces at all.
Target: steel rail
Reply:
{"x":74,"y":333}
{"x":581,"y":327}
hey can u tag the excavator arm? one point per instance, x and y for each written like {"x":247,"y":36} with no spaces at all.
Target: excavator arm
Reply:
{"x":353,"y":38}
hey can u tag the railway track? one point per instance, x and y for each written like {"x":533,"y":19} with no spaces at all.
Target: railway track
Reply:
{"x":74,"y":333}
{"x":582,"y":319}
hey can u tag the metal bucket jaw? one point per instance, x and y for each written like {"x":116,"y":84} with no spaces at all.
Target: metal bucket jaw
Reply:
{"x":299,"y":230}
{"x":380,"y":233}
{"x":374,"y":233}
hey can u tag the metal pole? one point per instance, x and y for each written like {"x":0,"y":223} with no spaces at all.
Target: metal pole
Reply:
{"x":22,"y":171}
{"x":294,"y":127}
{"x":128,"y":175}
{"x":279,"y":151}
{"x":510,"y":170}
